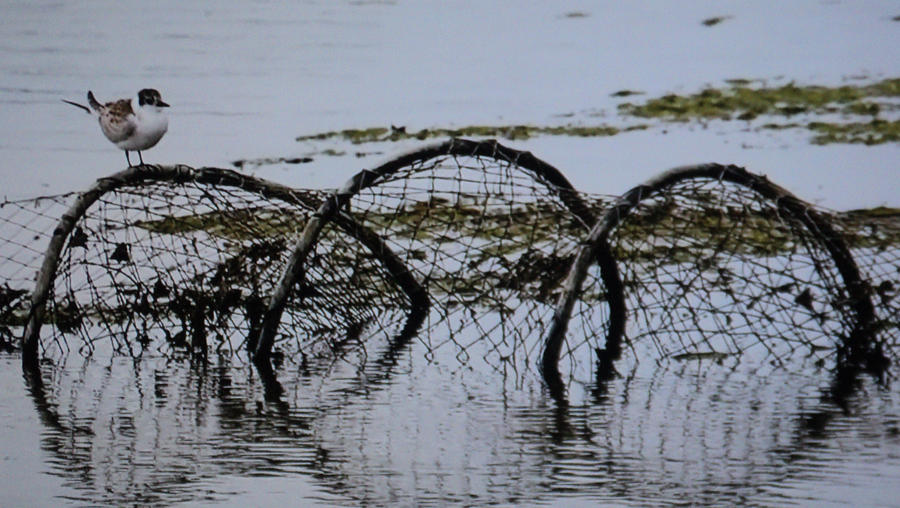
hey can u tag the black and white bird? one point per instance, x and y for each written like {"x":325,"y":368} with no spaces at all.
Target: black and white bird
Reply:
{"x":128,"y":128}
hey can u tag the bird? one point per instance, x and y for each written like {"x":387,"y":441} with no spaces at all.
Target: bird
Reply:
{"x":126,"y":127}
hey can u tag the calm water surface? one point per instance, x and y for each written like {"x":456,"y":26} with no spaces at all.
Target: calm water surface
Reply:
{"x":245,"y":79}
{"x":162,"y":431}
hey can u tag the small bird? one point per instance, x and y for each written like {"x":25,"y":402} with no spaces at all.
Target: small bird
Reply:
{"x":127,"y":128}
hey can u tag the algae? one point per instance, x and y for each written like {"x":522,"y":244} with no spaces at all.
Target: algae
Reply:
{"x":510,"y":132}
{"x":508,"y":228}
{"x":240,"y":224}
{"x":872,"y":213}
{"x":242,"y":163}
{"x":740,"y":101}
{"x":788,"y":100}
{"x":874,"y":132}
{"x":522,"y":248}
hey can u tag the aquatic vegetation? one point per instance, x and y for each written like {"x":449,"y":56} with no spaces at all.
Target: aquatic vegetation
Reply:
{"x":869,"y":133}
{"x":745,"y":103}
{"x":740,"y":101}
{"x":871,"y":227}
{"x":12,"y":309}
{"x":241,"y":163}
{"x":239,"y":225}
{"x":517,"y":248}
{"x":355,"y":136}
{"x":511,"y":132}
{"x":524,"y":226}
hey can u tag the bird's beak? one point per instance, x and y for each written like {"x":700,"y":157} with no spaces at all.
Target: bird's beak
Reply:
{"x":162,"y":104}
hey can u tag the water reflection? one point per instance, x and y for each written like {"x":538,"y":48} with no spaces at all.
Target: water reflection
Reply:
{"x":157,"y":430}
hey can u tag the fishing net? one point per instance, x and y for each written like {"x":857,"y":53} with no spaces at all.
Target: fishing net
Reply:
{"x":712,"y":269}
{"x":718,"y":264}
{"x":25,"y":229}
{"x":491,"y":234}
{"x":873,"y":237}
{"x":466,"y":250}
{"x":183,"y":260}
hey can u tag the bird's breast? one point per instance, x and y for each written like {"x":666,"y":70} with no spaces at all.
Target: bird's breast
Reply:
{"x":149,"y":129}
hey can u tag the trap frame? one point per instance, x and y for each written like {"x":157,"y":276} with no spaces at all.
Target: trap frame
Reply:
{"x":471,"y":248}
{"x":188,"y":253}
{"x":480,"y":225}
{"x":713,"y":255}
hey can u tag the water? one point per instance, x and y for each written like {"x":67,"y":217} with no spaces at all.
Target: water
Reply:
{"x":245,"y":79}
{"x":164,"y":432}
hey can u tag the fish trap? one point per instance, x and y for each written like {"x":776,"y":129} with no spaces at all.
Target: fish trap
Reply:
{"x":465,"y":249}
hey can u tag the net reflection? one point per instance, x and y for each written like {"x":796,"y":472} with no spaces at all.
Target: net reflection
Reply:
{"x":160,"y":430}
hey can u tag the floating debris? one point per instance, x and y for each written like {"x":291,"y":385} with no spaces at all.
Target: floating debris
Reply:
{"x":703,"y":355}
{"x":625,"y":93}
{"x":121,"y":253}
{"x":714,"y":20}
{"x":241,"y":163}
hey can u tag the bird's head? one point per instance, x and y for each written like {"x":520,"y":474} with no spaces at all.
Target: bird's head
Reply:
{"x":151,"y":97}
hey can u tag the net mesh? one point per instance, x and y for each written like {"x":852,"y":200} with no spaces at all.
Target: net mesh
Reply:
{"x":491,"y":241}
{"x":874,"y":240}
{"x":171,"y":263}
{"x":26,"y":226}
{"x":711,"y":269}
{"x":185,"y":267}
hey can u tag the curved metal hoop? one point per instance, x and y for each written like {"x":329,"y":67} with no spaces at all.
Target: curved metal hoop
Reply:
{"x":857,"y":347}
{"x":140,"y":175}
{"x":541,"y":171}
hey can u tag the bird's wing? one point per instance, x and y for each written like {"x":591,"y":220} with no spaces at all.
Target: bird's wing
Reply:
{"x":121,"y":107}
{"x":117,"y":127}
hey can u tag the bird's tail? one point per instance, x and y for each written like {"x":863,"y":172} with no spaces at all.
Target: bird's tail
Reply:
{"x":82,"y":106}
{"x":93,"y":102}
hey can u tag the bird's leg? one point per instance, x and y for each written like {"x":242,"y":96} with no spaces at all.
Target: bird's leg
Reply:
{"x":128,"y":159}
{"x":141,"y":157}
